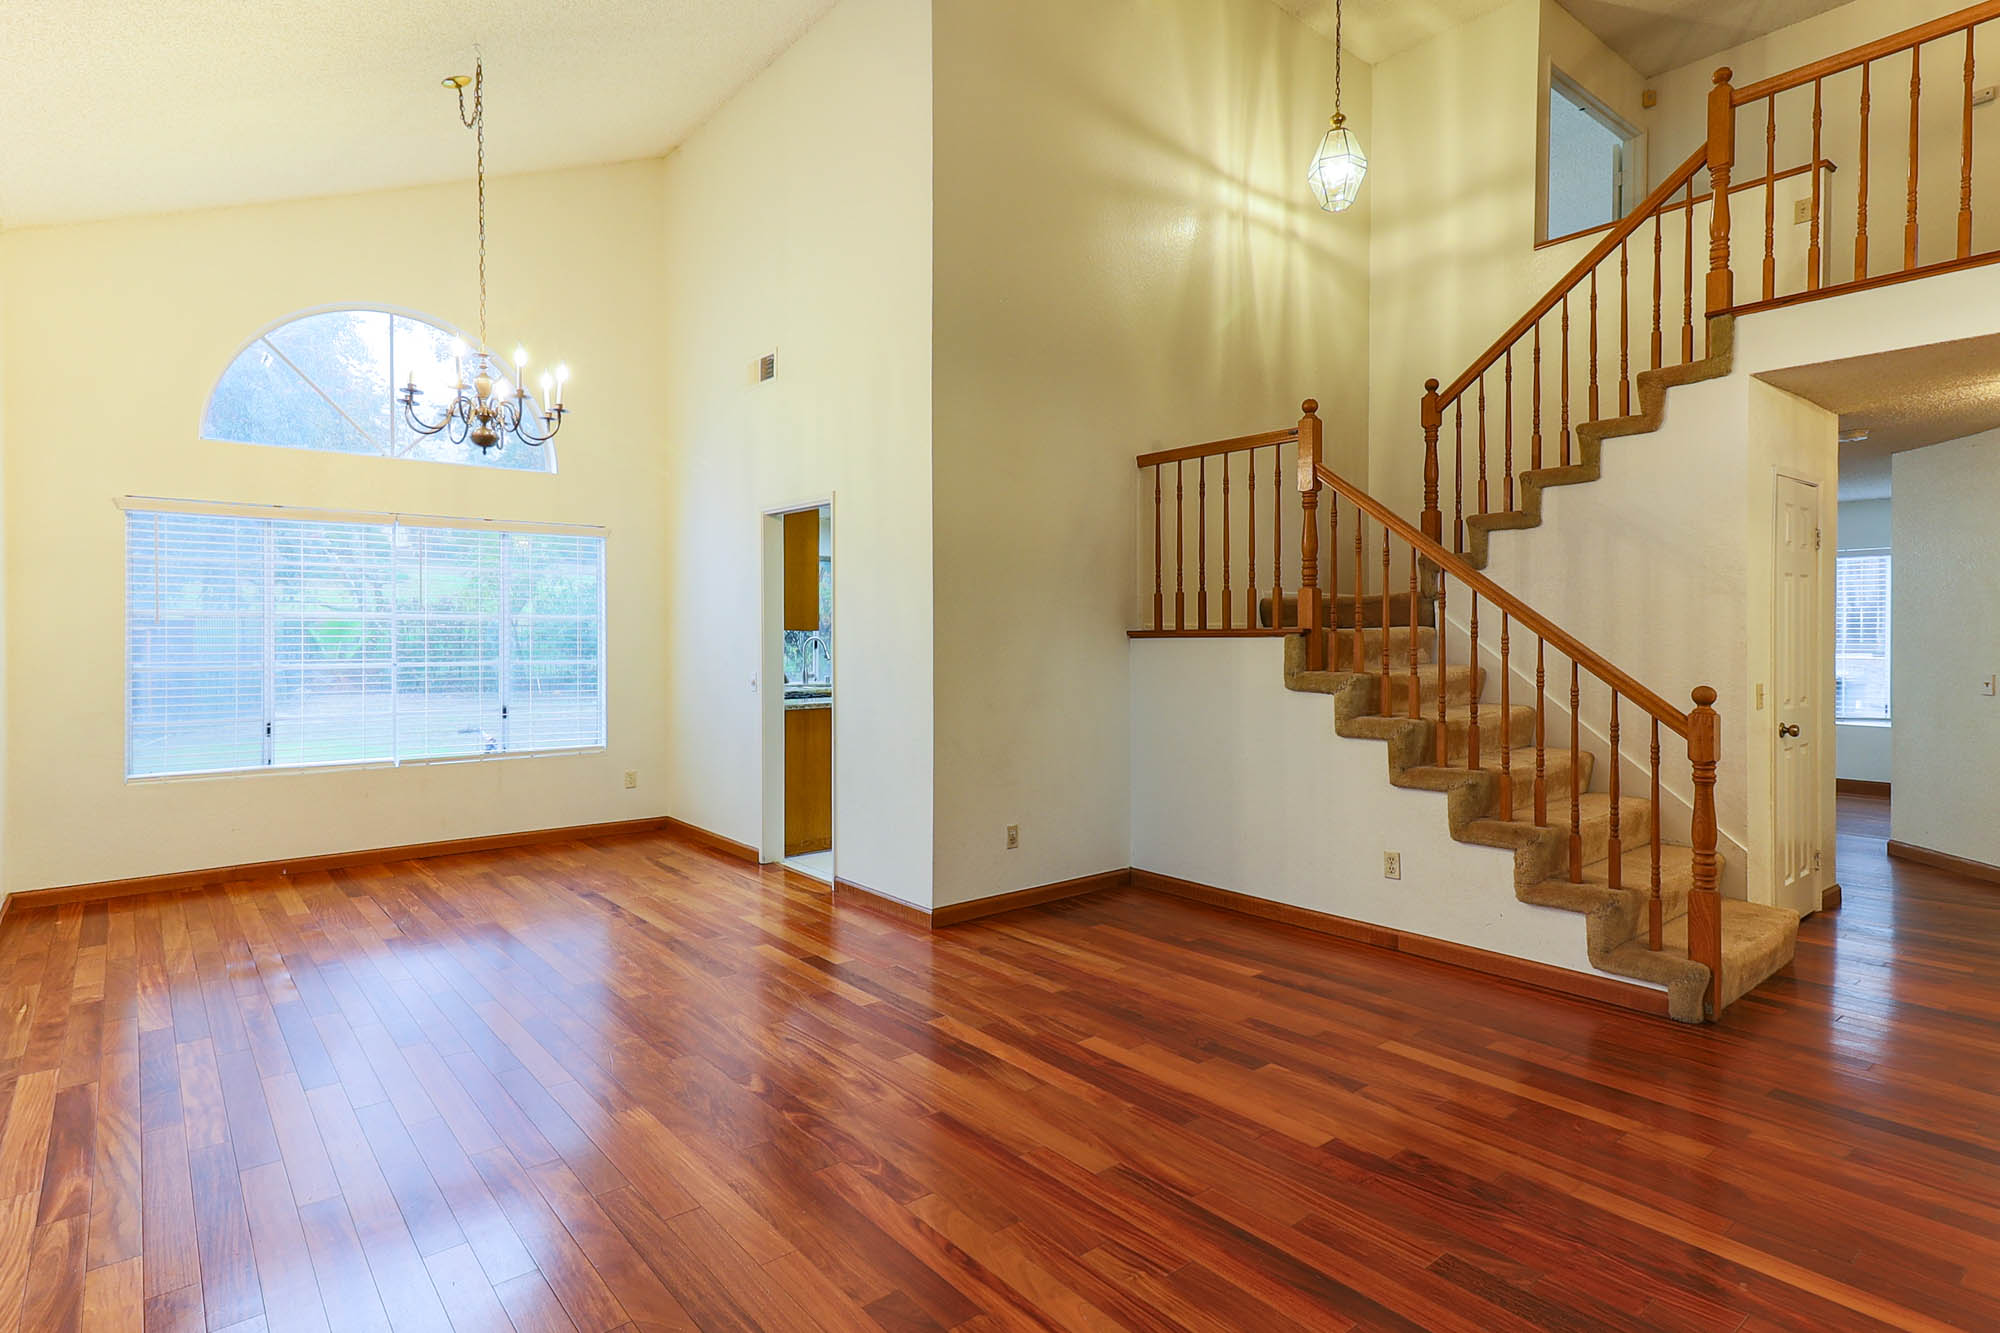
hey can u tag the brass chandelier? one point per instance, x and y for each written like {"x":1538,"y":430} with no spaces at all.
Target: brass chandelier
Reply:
{"x":487,"y":406}
{"x":1339,"y":166}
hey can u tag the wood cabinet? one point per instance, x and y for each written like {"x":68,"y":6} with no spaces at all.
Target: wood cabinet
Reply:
{"x":802,"y":570}
{"x":808,"y":780}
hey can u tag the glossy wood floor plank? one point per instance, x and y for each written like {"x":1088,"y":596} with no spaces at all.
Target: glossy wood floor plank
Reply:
{"x":631,"y":1084}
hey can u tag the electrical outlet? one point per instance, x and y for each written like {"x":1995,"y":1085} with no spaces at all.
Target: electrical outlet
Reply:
{"x":1801,"y":211}
{"x":631,"y":778}
{"x":1013,"y":837}
{"x":1392,"y":865}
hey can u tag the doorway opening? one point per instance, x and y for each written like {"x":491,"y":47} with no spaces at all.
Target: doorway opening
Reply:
{"x":802,"y":640}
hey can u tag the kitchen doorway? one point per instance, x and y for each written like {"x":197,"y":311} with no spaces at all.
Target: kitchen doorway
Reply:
{"x":805,"y":655}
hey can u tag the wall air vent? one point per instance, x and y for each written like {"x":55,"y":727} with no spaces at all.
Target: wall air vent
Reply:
{"x":767,"y":369}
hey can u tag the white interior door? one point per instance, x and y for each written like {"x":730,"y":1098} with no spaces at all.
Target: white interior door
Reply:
{"x":1796,"y":674}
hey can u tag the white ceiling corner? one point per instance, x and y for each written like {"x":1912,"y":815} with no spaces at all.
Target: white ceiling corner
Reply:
{"x":115,"y":107}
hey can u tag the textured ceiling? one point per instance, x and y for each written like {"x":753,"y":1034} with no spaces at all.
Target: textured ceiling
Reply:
{"x":1378,"y":29}
{"x":113,"y":107}
{"x":1652,"y":35}
{"x":1658,"y":35}
{"x":1904,"y":400}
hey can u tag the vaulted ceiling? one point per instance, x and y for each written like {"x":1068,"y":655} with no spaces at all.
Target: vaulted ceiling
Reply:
{"x":1652,"y":35}
{"x":114,"y":107}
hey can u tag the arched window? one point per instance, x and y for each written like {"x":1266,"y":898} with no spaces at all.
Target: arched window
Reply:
{"x":329,"y":381}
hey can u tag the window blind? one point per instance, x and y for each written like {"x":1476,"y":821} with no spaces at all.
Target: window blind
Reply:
{"x":1861,"y":637}
{"x":279,"y":643}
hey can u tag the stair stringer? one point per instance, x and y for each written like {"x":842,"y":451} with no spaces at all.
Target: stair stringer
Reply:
{"x":1612,"y":917}
{"x":1590,"y":437}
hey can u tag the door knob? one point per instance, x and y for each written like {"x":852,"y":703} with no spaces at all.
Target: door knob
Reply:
{"x":1788,"y":728}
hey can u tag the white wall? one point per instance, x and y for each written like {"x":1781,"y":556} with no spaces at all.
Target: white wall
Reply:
{"x":1253,"y":792}
{"x":799,"y":220}
{"x":112,"y":335}
{"x":1127,"y":260}
{"x":1864,"y":747}
{"x":1945,"y":642}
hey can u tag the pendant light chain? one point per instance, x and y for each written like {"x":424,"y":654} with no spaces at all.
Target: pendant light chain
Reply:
{"x":1337,"y":52}
{"x":477,"y":124}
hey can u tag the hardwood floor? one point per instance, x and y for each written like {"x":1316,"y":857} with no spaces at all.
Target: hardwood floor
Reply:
{"x":631,"y":1084}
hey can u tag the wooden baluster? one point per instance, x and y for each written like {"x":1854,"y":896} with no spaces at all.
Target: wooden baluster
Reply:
{"x":1565,"y":382}
{"x":1770,"y":196}
{"x":1507,"y":435}
{"x":1159,"y":597}
{"x":1593,"y":344}
{"x":1458,"y":475}
{"x":1625,"y":328}
{"x":1311,"y":615}
{"x":1615,"y":849}
{"x":1575,"y":785}
{"x":1201,"y":541}
{"x":1704,"y":902}
{"x":1433,"y":417}
{"x":1482,"y":442}
{"x":1180,"y":547}
{"x":1472,"y":727}
{"x":1250,"y":575}
{"x":1861,"y":186}
{"x":1916,"y":100}
{"x":1228,"y":589}
{"x":1506,"y":724}
{"x":1541,"y":733}
{"x":1535,"y":415}
{"x":1965,"y":162}
{"x":1655,"y":922}
{"x":1416,"y":701}
{"x":1687,"y":278}
{"x":1656,"y":291}
{"x":1813,"y":265}
{"x":1333,"y":578}
{"x":1721,"y":157}
{"x":1438,"y":734}
{"x":1277,"y":537}
{"x":1387,"y":621}
{"x":1359,"y":658}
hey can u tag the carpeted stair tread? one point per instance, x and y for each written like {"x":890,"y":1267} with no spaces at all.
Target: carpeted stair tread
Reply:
{"x":1341,"y":653}
{"x":1758,"y":940}
{"x":1341,"y":611}
{"x":1555,"y":777}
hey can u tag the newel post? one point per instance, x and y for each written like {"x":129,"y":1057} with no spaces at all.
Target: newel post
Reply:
{"x":1721,"y":157}
{"x":1309,"y":606}
{"x":1433,"y":520}
{"x":1705,"y":901}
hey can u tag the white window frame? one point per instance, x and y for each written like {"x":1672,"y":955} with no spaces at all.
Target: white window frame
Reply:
{"x":1888,"y":631}
{"x":1629,"y":185}
{"x":273,"y":514}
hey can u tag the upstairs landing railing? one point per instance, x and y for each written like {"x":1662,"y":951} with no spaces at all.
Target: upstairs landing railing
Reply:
{"x":1899,"y":109}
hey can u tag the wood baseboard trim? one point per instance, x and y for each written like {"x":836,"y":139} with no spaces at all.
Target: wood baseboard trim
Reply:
{"x":979,"y":908}
{"x":695,"y":833}
{"x":1957,"y":865}
{"x":847,"y":893}
{"x":176,"y":881}
{"x":1860,"y":787}
{"x":1829,"y":898}
{"x":1521,"y":971}
{"x":957,"y":914}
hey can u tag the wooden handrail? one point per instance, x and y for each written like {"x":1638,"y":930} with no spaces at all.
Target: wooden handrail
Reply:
{"x":1867,"y":51}
{"x":1188,"y":453}
{"x":1597,"y":254}
{"x":1676,"y":205}
{"x":1627,"y":686}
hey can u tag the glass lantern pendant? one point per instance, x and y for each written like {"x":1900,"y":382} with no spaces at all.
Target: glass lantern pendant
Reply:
{"x":1338,"y":167}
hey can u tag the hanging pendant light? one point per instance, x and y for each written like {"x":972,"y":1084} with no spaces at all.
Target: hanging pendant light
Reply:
{"x":487,"y":407}
{"x":1340,"y":165}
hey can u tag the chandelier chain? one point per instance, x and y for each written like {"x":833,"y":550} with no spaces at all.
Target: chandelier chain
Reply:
{"x":476,"y":122}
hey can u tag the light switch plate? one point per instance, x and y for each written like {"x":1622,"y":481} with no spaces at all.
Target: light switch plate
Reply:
{"x":1990,"y":686}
